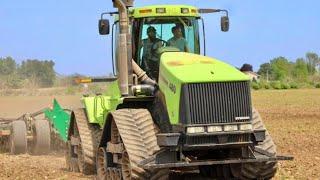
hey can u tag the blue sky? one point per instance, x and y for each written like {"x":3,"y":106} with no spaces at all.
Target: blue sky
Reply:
{"x":66,"y":31}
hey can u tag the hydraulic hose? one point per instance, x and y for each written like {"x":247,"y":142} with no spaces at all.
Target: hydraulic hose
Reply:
{"x":142,"y":75}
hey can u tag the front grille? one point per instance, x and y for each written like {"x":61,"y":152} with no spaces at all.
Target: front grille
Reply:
{"x":216,"y":139}
{"x":211,"y":103}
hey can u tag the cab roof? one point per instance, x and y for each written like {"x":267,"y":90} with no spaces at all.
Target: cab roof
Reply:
{"x":165,"y":10}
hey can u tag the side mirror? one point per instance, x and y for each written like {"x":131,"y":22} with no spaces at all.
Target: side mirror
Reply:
{"x":104,"y":27}
{"x":225,"y":23}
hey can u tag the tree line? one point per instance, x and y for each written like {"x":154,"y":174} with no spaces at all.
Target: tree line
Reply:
{"x":279,"y":71}
{"x":29,"y":73}
{"x":303,"y":71}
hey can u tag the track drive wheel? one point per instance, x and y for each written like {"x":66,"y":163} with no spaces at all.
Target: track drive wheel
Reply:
{"x":264,"y":170}
{"x":41,"y":137}
{"x":134,"y":133}
{"x":82,"y":144}
{"x":18,"y":137}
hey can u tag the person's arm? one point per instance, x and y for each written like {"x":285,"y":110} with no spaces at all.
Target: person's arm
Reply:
{"x":169,"y":43}
{"x":159,"y":44}
{"x":144,"y":63}
{"x":146,"y":66}
{"x":186,"y":48}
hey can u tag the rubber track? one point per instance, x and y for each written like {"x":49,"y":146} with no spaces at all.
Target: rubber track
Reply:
{"x":138,"y":134}
{"x":89,"y":137}
{"x":264,"y":170}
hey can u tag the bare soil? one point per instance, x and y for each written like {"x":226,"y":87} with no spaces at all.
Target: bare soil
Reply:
{"x":23,"y":167}
{"x":293,"y":119}
{"x":291,"y":116}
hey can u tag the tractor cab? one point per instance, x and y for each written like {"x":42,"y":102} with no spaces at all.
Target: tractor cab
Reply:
{"x":163,"y":28}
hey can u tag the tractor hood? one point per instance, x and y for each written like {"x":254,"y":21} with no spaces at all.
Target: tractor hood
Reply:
{"x":191,"y":68}
{"x":179,"y":68}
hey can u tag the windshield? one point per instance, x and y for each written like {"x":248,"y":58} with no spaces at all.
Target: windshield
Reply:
{"x":189,"y":28}
{"x":153,"y":33}
{"x":164,"y":32}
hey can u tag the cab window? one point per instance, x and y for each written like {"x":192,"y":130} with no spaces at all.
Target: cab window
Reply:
{"x":163,"y":27}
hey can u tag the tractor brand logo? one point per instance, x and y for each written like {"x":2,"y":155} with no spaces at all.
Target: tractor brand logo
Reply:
{"x":242,"y":118}
{"x":173,"y":88}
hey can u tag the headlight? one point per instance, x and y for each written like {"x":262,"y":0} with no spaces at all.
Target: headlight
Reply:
{"x":184,"y":10}
{"x":246,"y":127}
{"x":230,"y":127}
{"x":214,"y":129}
{"x":161,"y":10}
{"x":194,"y":130}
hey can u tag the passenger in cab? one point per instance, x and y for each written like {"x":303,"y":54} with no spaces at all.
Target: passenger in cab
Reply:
{"x":178,"y":40}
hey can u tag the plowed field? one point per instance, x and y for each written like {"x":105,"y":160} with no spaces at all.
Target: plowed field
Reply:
{"x":292,"y":117}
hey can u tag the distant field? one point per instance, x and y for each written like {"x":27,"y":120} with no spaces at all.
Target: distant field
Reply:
{"x":13,"y":106}
{"x":291,"y":116}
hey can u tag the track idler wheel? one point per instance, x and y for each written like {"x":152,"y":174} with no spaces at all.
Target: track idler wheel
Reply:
{"x":18,"y":138}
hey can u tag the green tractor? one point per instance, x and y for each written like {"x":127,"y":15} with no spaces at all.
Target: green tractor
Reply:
{"x":168,"y":110}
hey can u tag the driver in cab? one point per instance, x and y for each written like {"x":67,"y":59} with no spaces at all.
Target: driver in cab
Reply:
{"x":150,"y":60}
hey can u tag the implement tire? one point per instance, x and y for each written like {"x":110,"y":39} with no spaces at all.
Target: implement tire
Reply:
{"x":263,"y":170}
{"x":18,"y":137}
{"x":82,"y":156}
{"x":138,"y":134}
{"x":42,"y":137}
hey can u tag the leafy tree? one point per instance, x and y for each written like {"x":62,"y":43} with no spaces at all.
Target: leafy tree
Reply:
{"x":8,"y":66}
{"x":265,"y":70}
{"x":281,"y":68}
{"x":40,"y":71}
{"x":300,"y":70}
{"x":312,"y":61}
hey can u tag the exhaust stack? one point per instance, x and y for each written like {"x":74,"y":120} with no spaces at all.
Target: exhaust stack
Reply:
{"x":124,"y":64}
